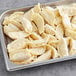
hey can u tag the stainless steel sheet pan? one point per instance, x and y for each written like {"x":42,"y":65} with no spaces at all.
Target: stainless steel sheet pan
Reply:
{"x":4,"y":39}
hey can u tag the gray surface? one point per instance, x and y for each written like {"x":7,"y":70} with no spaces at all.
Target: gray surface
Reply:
{"x":67,"y":68}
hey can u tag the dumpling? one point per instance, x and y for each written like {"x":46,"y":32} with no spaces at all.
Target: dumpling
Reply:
{"x":10,"y":28}
{"x":17,"y":44}
{"x":38,"y":43}
{"x":27,"y":26}
{"x":14,"y":19}
{"x":29,"y":13}
{"x":30,"y":60}
{"x":66,"y":21}
{"x":39,"y":21}
{"x":54,"y":52}
{"x":62,"y":48}
{"x":45,"y":56}
{"x":69,"y":10}
{"x":17,"y":35}
{"x":37,"y":51}
{"x":48,"y":14}
{"x":59,"y":31}
{"x":20,"y":55}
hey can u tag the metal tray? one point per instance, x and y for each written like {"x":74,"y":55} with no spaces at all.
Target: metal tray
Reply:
{"x":4,"y":40}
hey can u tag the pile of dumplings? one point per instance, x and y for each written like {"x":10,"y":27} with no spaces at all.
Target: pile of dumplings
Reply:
{"x":41,"y":33}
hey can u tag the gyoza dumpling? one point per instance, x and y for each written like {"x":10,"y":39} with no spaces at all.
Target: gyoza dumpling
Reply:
{"x":27,"y":26}
{"x":10,"y":28}
{"x":62,"y":48}
{"x":58,"y":18}
{"x":20,"y":55}
{"x":17,"y":44}
{"x":17,"y":15}
{"x":59,"y":31}
{"x":45,"y":56}
{"x":14,"y":19}
{"x":29,"y":13}
{"x":48,"y":14}
{"x":40,"y":42}
{"x":69,"y":10}
{"x":39,"y":21}
{"x":17,"y":35}
{"x":36,"y":43}
{"x":65,"y":17}
{"x":37,"y":51}
{"x":54,"y":52}
{"x":30,"y":60}
{"x":66,"y":21}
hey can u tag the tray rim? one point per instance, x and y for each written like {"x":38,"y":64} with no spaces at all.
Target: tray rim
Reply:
{"x":11,"y":67}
